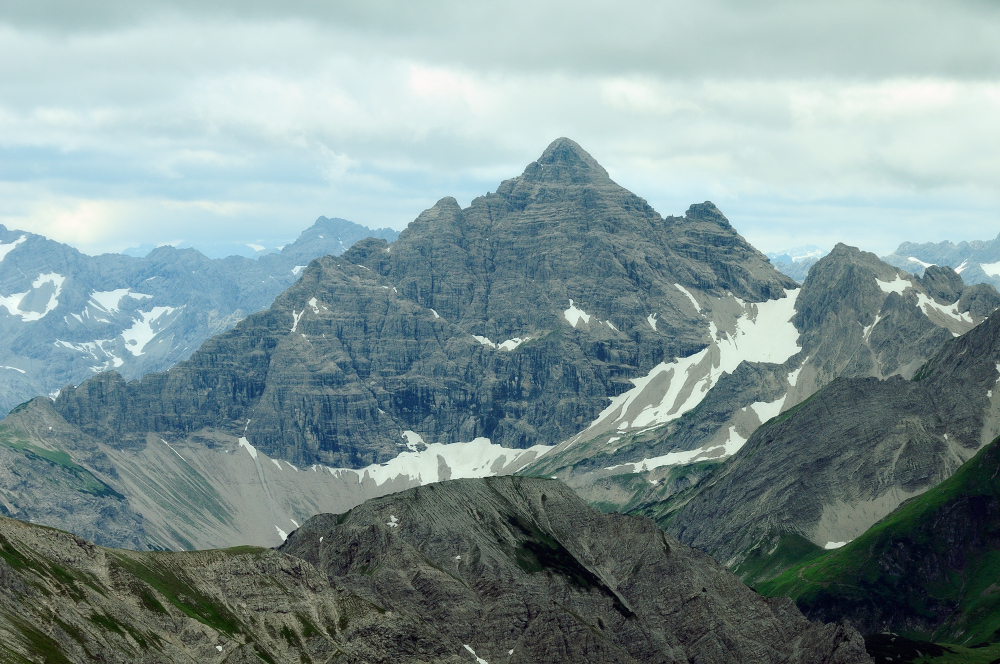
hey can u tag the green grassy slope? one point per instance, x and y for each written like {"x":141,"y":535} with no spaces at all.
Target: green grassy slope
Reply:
{"x":930,"y":570}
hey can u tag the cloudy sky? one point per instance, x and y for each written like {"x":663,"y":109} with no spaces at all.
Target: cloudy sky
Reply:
{"x":806,"y":122}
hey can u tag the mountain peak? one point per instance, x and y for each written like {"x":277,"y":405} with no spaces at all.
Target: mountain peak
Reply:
{"x":564,"y":159}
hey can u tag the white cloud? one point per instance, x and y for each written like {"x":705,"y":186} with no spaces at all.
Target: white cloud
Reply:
{"x":802,"y":121}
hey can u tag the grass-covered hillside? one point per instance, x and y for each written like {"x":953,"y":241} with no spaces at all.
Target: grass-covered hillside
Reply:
{"x":930,"y":570}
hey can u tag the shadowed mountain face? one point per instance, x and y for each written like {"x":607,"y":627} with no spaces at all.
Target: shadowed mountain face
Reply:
{"x":513,"y":320}
{"x":65,"y":316}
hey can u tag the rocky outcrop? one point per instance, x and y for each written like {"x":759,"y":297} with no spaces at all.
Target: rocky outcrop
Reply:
{"x":501,"y":569}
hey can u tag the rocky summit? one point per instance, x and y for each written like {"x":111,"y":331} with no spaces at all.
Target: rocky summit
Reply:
{"x":490,"y":570}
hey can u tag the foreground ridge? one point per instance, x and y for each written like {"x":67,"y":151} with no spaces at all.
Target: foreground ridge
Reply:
{"x":497,"y":570}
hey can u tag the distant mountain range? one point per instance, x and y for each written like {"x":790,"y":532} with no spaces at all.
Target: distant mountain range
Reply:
{"x":797,"y":261}
{"x":65,"y":316}
{"x":978,"y":261}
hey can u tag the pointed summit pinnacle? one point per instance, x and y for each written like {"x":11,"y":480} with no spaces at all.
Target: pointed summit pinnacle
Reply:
{"x":566,"y":160}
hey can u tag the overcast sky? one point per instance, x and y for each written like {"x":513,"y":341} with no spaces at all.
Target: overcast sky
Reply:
{"x":806,"y":122}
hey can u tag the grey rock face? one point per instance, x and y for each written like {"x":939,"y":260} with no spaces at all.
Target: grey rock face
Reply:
{"x":850,"y":455}
{"x":978,"y":261}
{"x":561,"y":262}
{"x":65,"y":316}
{"x":502,"y":569}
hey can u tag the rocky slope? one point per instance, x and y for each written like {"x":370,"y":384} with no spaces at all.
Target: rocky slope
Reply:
{"x":854,"y":316}
{"x":829,"y":469}
{"x":928,"y":569}
{"x":65,"y":316}
{"x":504,"y":569}
{"x":977,"y":261}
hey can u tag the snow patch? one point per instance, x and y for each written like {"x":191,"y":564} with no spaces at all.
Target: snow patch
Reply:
{"x":255,"y":247}
{"x":249,"y":448}
{"x":766,"y":411}
{"x":651,"y":319}
{"x":484,"y":341}
{"x":920,"y":262}
{"x":314,"y":303}
{"x":477,"y":458}
{"x":110,"y":300}
{"x":694,"y":302}
{"x":393,"y":521}
{"x":7,"y":248}
{"x":13,"y":302}
{"x":574,"y":315}
{"x":511,"y":344}
{"x":992,"y":269}
{"x":960,"y":268}
{"x":172,"y":449}
{"x":281,"y":533}
{"x":793,"y":376}
{"x":297,"y":317}
{"x":275,"y":462}
{"x":836,"y":545}
{"x":295,"y":522}
{"x":436,"y":315}
{"x":142,"y":331}
{"x":764,"y":333}
{"x":98,"y":351}
{"x":732,"y":445}
{"x":479,"y":660}
{"x":927,"y":304}
{"x":897,"y":285}
{"x":13,"y":369}
{"x":413,"y":440}
{"x":866,"y":332}
{"x":298,"y":268}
